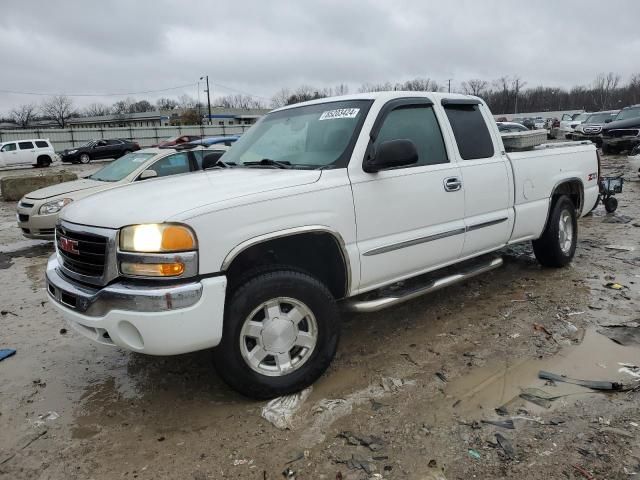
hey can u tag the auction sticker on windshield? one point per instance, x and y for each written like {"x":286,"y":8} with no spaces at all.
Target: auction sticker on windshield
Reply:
{"x":339,"y":113}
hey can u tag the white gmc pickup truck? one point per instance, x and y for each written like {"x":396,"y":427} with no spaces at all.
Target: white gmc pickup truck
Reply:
{"x":320,"y":206}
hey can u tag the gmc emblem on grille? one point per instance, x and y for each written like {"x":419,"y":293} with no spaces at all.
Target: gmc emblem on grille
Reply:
{"x":68,"y":245}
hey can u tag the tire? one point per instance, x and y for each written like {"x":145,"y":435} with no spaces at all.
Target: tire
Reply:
{"x":282,"y":292}
{"x":44,"y":162}
{"x":84,"y":158}
{"x":611,"y":204}
{"x":557,"y":245}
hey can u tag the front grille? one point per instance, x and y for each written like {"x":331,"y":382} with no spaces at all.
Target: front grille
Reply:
{"x":46,"y":231}
{"x":91,"y":253}
{"x":622,"y":132}
{"x":23,"y":218}
{"x":592,"y":130}
{"x":26,"y":205}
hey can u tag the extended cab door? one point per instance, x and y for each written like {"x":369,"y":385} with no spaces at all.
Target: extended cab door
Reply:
{"x":486,"y":176}
{"x":409,"y":219}
{"x":26,"y":152}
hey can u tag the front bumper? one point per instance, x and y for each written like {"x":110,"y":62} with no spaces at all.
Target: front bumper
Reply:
{"x":626,"y":142}
{"x":69,"y":158}
{"x":152,"y":318}
{"x":595,"y":138}
{"x":41,"y":227}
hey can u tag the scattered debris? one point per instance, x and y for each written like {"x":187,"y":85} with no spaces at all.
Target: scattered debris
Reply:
{"x":592,"y":384}
{"x":501,"y":423}
{"x":280,"y":411}
{"x":63,"y":331}
{"x":629,"y":369}
{"x":39,"y":435}
{"x":502,"y":411}
{"x":584,"y":473}
{"x":408,"y":358}
{"x":538,"y":397}
{"x":617,"y":431}
{"x":359,"y":463}
{"x":6,"y":353}
{"x":541,"y":328}
{"x":474,"y":454}
{"x":441,"y":376}
{"x":505,"y":445}
{"x":7,"y":312}
{"x":44,"y":418}
{"x":620,"y":248}
{"x":616,"y":219}
{"x":288,"y":473}
{"x":374,"y":443}
{"x":614,"y":286}
{"x":622,"y":334}
{"x":242,"y":461}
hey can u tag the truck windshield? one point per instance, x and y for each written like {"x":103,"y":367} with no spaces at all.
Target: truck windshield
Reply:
{"x":628,"y":113}
{"x":312,"y":136}
{"x":119,"y":169}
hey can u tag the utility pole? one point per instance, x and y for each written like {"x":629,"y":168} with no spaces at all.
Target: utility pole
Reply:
{"x":208,"y":99}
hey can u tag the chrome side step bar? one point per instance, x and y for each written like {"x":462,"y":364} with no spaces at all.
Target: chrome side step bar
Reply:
{"x":400,"y":296}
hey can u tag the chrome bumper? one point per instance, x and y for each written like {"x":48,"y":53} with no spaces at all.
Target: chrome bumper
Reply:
{"x":97,"y":302}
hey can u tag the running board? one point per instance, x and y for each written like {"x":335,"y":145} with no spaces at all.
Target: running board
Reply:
{"x":391,"y":298}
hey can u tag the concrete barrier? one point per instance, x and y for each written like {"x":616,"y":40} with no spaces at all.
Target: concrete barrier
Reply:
{"x":14,"y":188}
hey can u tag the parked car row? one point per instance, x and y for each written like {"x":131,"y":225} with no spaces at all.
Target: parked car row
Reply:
{"x":38,"y":211}
{"x":97,"y":149}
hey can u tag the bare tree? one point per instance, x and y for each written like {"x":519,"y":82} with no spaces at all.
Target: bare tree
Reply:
{"x":59,"y":108}
{"x":166,"y":103}
{"x":376,"y":87}
{"x":97,"y":110}
{"x":122,"y":107}
{"x":305,"y":92}
{"x":141,"y":107}
{"x":634,"y":88}
{"x":239,"y":101}
{"x":516,"y":85}
{"x":341,"y":89}
{"x":603,"y":87}
{"x":23,"y":115}
{"x":279,"y":99}
{"x":475,"y":86}
{"x":187,"y":101}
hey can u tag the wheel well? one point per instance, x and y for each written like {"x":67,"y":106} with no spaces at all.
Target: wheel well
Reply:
{"x":43,"y":157}
{"x":317,"y":253}
{"x":572,"y":189}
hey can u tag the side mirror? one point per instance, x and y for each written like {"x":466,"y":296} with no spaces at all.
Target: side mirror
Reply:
{"x":147,"y":174}
{"x":608,"y":120}
{"x":210,"y":160}
{"x":391,"y":154}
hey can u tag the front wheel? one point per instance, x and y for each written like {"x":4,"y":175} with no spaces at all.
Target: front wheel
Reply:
{"x":281,"y":331}
{"x":85,"y":158}
{"x":557,"y":245}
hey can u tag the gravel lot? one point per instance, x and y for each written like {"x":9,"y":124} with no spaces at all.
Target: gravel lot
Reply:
{"x":419,"y":379}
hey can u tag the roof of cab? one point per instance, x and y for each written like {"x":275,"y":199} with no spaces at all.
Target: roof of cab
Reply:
{"x":390,"y":95}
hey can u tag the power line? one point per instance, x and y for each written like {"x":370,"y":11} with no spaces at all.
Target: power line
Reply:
{"x":224,"y":87}
{"x":16,"y":92}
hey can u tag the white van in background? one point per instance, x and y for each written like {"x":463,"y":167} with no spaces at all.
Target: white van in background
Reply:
{"x":37,"y":152}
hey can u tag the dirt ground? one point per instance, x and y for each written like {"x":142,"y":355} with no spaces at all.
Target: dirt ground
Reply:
{"x":406,"y":397}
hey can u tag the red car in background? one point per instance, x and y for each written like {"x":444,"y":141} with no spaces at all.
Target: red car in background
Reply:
{"x":172,"y":141}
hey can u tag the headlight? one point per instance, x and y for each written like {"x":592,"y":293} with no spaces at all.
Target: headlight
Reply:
{"x":158,"y":250}
{"x":157,"y":238}
{"x":71,"y":152}
{"x":54,"y":207}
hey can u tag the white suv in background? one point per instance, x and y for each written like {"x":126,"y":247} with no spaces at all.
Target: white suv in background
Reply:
{"x":37,"y":152}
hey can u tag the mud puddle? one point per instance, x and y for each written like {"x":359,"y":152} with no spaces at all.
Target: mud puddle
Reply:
{"x":499,"y":384}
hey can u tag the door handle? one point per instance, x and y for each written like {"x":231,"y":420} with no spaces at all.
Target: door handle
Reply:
{"x":452,"y":184}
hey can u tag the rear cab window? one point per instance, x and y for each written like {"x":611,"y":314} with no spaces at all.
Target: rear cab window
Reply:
{"x":469,"y":129}
{"x":25,"y":145}
{"x":42,"y":144}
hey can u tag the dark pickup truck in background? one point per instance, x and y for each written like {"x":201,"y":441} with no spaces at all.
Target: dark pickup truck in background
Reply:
{"x":623,"y":132}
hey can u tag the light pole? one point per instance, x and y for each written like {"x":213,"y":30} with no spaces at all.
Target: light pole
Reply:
{"x":208,"y":100}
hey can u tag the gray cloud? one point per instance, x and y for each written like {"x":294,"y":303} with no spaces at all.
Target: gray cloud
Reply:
{"x":260,"y":47}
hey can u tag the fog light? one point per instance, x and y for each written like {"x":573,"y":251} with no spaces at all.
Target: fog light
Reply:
{"x":152,"y":269}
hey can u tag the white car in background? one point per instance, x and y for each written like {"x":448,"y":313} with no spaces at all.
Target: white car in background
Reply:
{"x":634,"y":160}
{"x":568,"y":123}
{"x":37,"y":152}
{"x":38,"y":211}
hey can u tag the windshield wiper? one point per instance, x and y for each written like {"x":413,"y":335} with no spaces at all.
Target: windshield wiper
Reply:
{"x":267,"y":162}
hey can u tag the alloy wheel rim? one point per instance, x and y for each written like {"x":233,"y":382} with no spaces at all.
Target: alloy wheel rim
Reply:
{"x":565,"y":231}
{"x":278,"y":337}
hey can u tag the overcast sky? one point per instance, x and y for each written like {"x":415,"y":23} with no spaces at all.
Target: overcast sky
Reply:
{"x":258,"y":46}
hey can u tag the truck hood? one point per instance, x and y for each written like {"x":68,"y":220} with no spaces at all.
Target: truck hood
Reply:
{"x":158,"y":200}
{"x":66,"y":188}
{"x":628,"y":123}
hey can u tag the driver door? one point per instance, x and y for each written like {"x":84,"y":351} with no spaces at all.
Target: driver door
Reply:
{"x":9,"y":154}
{"x":409,"y":219}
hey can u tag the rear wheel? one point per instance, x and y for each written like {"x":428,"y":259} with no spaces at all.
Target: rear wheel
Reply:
{"x":557,"y":245}
{"x":611,"y":204}
{"x":281,"y":331}
{"x":43,"y":161}
{"x":85,"y":158}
